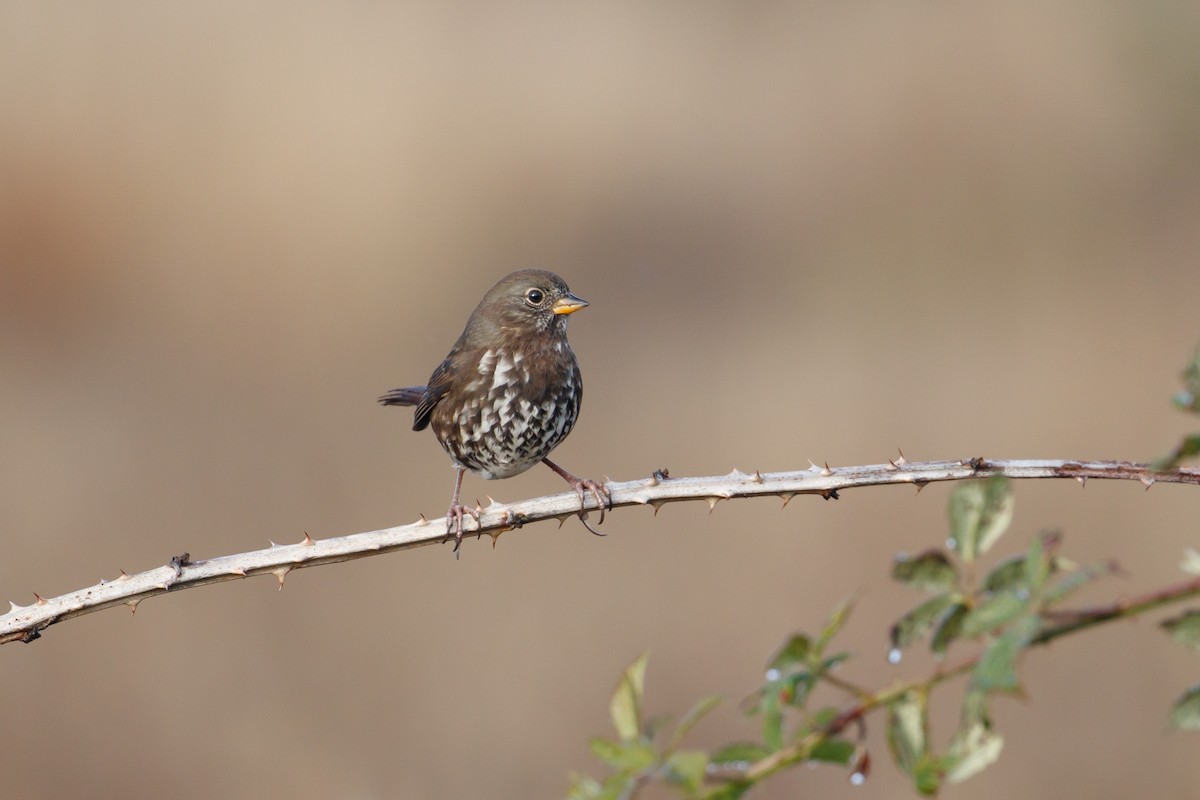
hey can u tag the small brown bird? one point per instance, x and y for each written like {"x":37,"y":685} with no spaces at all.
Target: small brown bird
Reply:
{"x":509,"y":391}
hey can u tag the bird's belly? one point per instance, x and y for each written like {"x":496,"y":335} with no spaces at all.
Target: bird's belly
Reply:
{"x":503,"y":434}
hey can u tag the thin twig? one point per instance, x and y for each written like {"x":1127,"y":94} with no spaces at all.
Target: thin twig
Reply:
{"x":25,"y":623}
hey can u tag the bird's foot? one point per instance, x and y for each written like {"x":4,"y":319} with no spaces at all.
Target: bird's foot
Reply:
{"x":454,"y":524}
{"x":582,"y":486}
{"x":599,"y":491}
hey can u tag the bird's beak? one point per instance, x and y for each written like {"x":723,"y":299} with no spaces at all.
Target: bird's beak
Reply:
{"x":568,"y":304}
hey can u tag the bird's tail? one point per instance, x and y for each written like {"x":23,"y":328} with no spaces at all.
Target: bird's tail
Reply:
{"x":404,"y":396}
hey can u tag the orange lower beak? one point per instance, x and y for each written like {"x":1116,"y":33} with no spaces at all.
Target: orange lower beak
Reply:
{"x":568,"y":304}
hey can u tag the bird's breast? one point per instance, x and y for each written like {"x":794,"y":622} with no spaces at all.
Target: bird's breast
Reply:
{"x":517,"y":407}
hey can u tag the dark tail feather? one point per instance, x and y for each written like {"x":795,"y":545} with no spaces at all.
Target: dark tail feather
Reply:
{"x":404,"y":396}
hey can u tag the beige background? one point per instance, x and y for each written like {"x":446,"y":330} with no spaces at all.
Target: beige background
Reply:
{"x":807,"y":231}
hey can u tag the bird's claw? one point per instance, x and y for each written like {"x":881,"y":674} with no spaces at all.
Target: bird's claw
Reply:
{"x":454,"y":524}
{"x":603,"y":500}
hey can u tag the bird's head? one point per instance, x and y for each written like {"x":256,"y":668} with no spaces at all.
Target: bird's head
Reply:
{"x":530,"y":301}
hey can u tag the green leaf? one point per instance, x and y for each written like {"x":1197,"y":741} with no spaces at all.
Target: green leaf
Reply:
{"x":972,"y":751}
{"x":834,"y":751}
{"x":772,"y":720}
{"x":1185,"y":713}
{"x":740,"y":752}
{"x":794,"y":689}
{"x":836,"y":620}
{"x":793,"y":653}
{"x":994,"y":612}
{"x":966,"y":511}
{"x":584,"y":787}
{"x":686,"y":768}
{"x":626,"y":704}
{"x":606,"y":750}
{"x":1039,"y":560}
{"x":623,"y":756}
{"x":927,"y":774}
{"x":907,"y":730}
{"x":918,"y":622}
{"x":948,"y":628}
{"x":980,"y":512}
{"x":1185,"y":628}
{"x":698,"y":710}
{"x":997,"y":512}
{"x":997,"y":667}
{"x":931,"y":571}
{"x":1008,"y":574}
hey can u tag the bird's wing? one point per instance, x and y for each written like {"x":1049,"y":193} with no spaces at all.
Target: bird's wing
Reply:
{"x":439,"y":384}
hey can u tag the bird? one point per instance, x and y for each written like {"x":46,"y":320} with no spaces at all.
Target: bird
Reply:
{"x":508,"y":392}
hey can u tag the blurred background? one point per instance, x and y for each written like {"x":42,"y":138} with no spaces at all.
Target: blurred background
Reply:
{"x":807,"y":231}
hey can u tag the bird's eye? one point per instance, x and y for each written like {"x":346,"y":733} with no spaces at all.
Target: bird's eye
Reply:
{"x":534,"y":297}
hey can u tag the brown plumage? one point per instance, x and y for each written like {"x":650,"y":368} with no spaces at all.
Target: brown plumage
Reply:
{"x":509,"y":391}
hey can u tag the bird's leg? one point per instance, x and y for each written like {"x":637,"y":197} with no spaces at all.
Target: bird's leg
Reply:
{"x":580,"y":485}
{"x":454,"y":517}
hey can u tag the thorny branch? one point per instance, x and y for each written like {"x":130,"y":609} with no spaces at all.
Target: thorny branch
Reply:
{"x":25,"y":623}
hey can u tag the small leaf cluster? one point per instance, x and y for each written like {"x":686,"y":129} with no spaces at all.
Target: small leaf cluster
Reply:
{"x":634,"y":756}
{"x":1005,"y":612}
{"x":791,"y":731}
{"x":995,"y":613}
{"x":789,"y":723}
